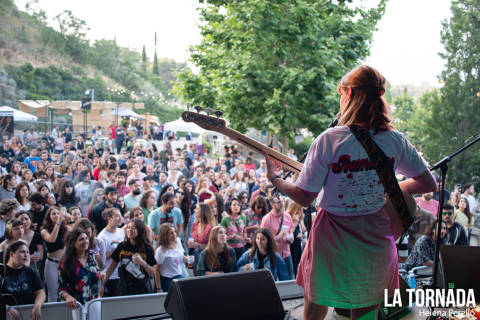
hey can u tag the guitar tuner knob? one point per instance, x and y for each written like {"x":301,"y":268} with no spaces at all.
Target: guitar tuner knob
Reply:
{"x":198,"y":108}
{"x":208,"y":111}
{"x":218,"y":113}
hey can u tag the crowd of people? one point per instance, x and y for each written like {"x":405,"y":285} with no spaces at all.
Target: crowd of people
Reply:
{"x":82,"y":221}
{"x":100,"y":221}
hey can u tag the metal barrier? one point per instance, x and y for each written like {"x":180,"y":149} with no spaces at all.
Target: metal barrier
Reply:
{"x":52,"y":310}
{"x":145,"y":306}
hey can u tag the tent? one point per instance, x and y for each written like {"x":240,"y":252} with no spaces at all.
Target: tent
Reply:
{"x":19,"y":115}
{"x":127,"y":113}
{"x":180,"y":125}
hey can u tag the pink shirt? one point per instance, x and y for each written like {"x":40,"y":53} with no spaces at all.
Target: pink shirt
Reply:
{"x":201,"y":238}
{"x":272,"y":222}
{"x":431,"y":205}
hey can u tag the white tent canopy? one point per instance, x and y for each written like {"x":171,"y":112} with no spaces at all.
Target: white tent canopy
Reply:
{"x":180,"y":125}
{"x":127,"y":113}
{"x":19,"y":115}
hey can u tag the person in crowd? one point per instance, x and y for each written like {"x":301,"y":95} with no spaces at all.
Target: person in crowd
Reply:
{"x":136,"y":174}
{"x":469,"y":194}
{"x":32,"y":160}
{"x":203,"y":189}
{"x":147,"y":203}
{"x":166,"y":213}
{"x":254,"y":215}
{"x":50,"y":171}
{"x":67,"y":196}
{"x":53,"y":232}
{"x":121,"y":206}
{"x":80,"y":143}
{"x":239,"y":184}
{"x":264,"y":255}
{"x":120,"y":178}
{"x":464,"y":217}
{"x":423,"y":221}
{"x":43,"y":189}
{"x":75,"y":214}
{"x":22,"y":282}
{"x":202,"y":226}
{"x":132,"y":199}
{"x":8,"y":209}
{"x":101,"y":165}
{"x":84,"y":189}
{"x":363,"y":227}
{"x":137,"y":212}
{"x":97,"y":197}
{"x":262,"y":191}
{"x":32,"y":238}
{"x":296,"y":213}
{"x":281,"y":225}
{"x":217,"y":257}
{"x":111,"y":236}
{"x":27,"y":175}
{"x":96,"y":246}
{"x":455,"y":232}
{"x":135,"y":260}
{"x":169,"y":256}
{"x":13,"y":233}
{"x":7,"y":186}
{"x":184,"y":203}
{"x":426,"y":202}
{"x":22,"y":192}
{"x":454,"y":199}
{"x":235,"y":223}
{"x":110,"y":201}
{"x":79,"y":274}
{"x":423,"y":251}
{"x":38,"y":210}
{"x":251,"y":180}
{"x":243,"y":197}
{"x":51,"y":201}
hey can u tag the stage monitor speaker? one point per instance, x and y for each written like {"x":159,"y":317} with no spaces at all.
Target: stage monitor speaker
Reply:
{"x":459,"y":268}
{"x":236,"y":296}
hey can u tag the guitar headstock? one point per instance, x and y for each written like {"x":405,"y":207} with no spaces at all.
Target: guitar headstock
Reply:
{"x":205,"y":121}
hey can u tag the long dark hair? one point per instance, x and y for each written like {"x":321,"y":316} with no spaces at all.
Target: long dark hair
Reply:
{"x":162,"y":192}
{"x":84,"y":224}
{"x":18,"y":188}
{"x":141,"y":241}
{"x":70,"y":256}
{"x":211,"y":251}
{"x":185,"y":207}
{"x":271,"y":246}
{"x":48,"y":224}
{"x":63,"y":197}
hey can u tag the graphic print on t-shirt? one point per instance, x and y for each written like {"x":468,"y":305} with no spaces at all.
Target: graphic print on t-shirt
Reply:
{"x":359,"y":186}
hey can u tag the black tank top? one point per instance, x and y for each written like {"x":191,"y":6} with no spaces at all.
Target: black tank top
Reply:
{"x":59,"y":242}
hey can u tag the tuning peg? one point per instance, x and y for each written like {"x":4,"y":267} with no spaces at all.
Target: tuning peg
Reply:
{"x":198,"y":108}
{"x":208,"y":111}
{"x":218,"y":113}
{"x":188,"y":106}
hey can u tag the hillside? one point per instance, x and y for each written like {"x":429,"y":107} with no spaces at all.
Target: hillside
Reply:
{"x":38,"y":62}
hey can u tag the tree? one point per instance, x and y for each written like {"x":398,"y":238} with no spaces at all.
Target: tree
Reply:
{"x":278,"y":62}
{"x":459,"y":116}
{"x":404,"y":109}
{"x":144,"y":59}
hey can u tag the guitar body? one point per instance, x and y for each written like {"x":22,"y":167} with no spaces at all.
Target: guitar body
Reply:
{"x":219,"y":125}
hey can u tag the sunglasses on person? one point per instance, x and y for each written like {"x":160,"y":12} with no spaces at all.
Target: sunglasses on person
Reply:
{"x":447,"y":213}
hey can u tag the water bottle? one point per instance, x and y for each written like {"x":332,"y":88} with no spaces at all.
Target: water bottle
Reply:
{"x":411,"y":281}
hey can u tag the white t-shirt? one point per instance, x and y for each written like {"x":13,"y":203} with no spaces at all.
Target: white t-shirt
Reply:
{"x":337,"y":166}
{"x":170,"y":260}
{"x":111,"y":241}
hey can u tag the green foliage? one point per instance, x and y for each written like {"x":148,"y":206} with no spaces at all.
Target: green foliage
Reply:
{"x":155,"y":64}
{"x":276,"y":61}
{"x":445,"y":119}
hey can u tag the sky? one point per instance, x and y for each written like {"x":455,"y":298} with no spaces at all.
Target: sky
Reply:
{"x":404,"y":49}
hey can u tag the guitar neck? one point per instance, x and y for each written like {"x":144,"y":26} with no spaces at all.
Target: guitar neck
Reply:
{"x":279,"y":158}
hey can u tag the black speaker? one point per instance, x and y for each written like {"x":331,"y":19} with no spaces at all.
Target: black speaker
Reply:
{"x":240,"y":295}
{"x":459,"y":268}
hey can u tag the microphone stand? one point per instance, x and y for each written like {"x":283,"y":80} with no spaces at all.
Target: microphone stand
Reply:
{"x":443,"y":166}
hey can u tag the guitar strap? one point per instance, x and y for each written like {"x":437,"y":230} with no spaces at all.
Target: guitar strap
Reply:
{"x":385,"y":171}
